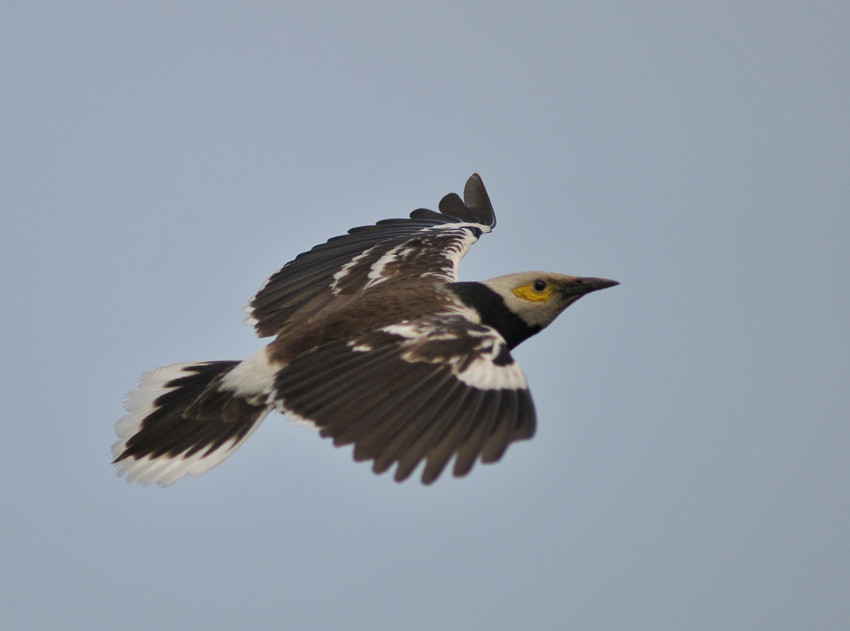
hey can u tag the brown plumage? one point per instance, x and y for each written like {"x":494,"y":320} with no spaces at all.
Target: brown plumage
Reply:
{"x":376,"y":344}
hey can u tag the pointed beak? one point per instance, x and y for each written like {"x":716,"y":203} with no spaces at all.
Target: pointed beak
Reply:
{"x":580,"y":286}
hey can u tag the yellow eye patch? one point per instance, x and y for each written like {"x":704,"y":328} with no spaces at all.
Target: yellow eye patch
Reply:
{"x":528,"y":292}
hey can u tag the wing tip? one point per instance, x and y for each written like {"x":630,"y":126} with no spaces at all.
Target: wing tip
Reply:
{"x":476,"y":198}
{"x":475,"y":207}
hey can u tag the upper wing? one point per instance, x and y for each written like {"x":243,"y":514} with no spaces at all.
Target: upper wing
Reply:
{"x":424,"y":390}
{"x":427,"y":247}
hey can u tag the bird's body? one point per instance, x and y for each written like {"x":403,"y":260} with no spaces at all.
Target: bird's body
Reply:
{"x":376,"y":344}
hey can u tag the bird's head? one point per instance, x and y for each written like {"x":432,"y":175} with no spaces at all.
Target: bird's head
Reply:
{"x":539,"y":297}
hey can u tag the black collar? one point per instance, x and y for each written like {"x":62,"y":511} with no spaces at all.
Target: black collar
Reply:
{"x":494,"y":312}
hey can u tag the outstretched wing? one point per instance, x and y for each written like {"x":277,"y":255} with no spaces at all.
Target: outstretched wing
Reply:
{"x":427,"y":247}
{"x":424,"y":390}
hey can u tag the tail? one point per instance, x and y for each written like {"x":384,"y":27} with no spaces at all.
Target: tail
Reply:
{"x":184,"y":419}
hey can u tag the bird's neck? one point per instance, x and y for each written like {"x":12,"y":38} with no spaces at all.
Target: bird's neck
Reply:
{"x":494,"y":312}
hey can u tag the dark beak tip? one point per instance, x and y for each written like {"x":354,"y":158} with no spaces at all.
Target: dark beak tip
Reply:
{"x":582,"y":286}
{"x":596,"y":284}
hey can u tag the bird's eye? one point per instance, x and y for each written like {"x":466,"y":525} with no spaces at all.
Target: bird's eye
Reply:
{"x":539,"y":285}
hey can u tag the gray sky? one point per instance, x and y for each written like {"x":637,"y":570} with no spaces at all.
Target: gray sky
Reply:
{"x":690,"y":469}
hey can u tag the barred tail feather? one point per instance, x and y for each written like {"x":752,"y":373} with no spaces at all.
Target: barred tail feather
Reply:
{"x":184,"y":419}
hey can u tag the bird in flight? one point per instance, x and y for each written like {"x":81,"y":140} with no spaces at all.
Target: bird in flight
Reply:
{"x":376,"y":344}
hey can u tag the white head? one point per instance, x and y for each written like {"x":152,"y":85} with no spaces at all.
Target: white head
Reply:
{"x":539,"y":297}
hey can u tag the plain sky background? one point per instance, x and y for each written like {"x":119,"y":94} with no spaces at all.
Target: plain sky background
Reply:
{"x":691,"y":468}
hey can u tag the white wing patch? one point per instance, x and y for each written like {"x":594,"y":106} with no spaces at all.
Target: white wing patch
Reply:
{"x":484,"y":374}
{"x":462,"y":245}
{"x":376,"y":271}
{"x":345,"y":270}
{"x":451,"y":241}
{"x":407,"y":330}
{"x":491,"y":368}
{"x":297,"y":419}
